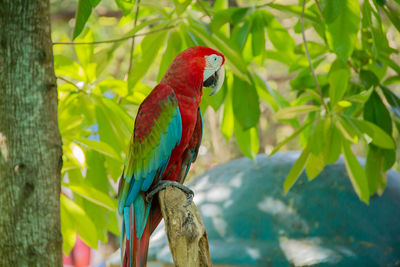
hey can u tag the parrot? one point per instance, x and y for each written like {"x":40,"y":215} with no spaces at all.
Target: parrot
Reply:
{"x":168,"y":129}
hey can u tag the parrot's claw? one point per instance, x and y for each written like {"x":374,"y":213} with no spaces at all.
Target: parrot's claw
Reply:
{"x":164,"y":184}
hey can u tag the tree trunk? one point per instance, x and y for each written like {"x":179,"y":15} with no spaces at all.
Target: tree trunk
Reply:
{"x":30,"y":143}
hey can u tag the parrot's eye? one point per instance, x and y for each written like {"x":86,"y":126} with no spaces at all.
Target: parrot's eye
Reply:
{"x":213,"y":61}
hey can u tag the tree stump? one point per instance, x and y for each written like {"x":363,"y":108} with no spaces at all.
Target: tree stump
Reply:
{"x":185,"y":231}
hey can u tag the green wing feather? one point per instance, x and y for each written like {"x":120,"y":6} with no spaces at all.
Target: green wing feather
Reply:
{"x":158,"y":130}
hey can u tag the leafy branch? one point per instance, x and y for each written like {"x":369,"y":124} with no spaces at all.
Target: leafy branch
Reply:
{"x":115,"y":40}
{"x":308,"y":56}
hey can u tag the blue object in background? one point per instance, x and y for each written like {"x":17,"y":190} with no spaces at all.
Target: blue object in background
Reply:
{"x":250,"y":222}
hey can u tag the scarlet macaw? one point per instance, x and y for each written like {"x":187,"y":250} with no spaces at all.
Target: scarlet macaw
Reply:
{"x":166,"y":138}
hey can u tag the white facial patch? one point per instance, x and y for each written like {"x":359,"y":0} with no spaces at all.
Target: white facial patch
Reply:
{"x":213,"y":63}
{"x":221,"y":78}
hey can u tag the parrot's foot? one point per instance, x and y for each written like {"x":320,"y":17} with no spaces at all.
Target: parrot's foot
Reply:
{"x":163,"y":184}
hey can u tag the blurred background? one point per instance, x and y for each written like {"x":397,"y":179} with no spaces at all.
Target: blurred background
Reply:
{"x":269,"y":100}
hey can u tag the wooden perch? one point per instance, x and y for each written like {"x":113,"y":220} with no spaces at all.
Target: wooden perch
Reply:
{"x":186,"y":233}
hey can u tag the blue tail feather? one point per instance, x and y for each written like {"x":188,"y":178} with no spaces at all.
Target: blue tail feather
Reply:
{"x":142,"y":210}
{"x":126,"y":220}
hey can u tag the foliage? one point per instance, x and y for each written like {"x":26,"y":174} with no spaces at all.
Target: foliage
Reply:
{"x":345,"y":98}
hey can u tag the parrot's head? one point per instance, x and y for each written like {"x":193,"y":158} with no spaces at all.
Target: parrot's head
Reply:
{"x":214,"y":72}
{"x":199,"y":64}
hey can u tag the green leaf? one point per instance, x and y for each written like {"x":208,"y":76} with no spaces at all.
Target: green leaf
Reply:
{"x":344,"y":104}
{"x":372,"y":27}
{"x":331,"y":9}
{"x":125,"y":6}
{"x":393,"y":15}
{"x":315,"y":95}
{"x":270,"y":95}
{"x":221,"y":4}
{"x":100,"y":147}
{"x":85,"y":52}
{"x":151,"y":45}
{"x":84,"y":225}
{"x":257,"y":30}
{"x":369,"y":79}
{"x":333,"y":143}
{"x":108,"y":129}
{"x":356,"y":173}
{"x":64,"y":66}
{"x":348,"y":130}
{"x":277,"y":34}
{"x":317,"y":137}
{"x":247,"y":140}
{"x":117,"y":86}
{"x":379,"y":137}
{"x":94,"y":3}
{"x":69,"y":124}
{"x":291,"y":137}
{"x":68,"y":231}
{"x":82,"y":15}
{"x":181,"y":5}
{"x":296,"y":10}
{"x":341,"y":34}
{"x":96,"y":173}
{"x":113,"y":223}
{"x":293,"y":112}
{"x":221,"y":17}
{"x":228,"y":120}
{"x":216,"y":100}
{"x":376,"y":112}
{"x":77,"y":105}
{"x":296,"y":170}
{"x":98,"y":215}
{"x":139,"y":94}
{"x":241,"y":13}
{"x":174,"y":45}
{"x":339,"y":75}
{"x":380,"y":2}
{"x":101,"y":59}
{"x":240,"y":34}
{"x":375,"y":169}
{"x":392,"y":80}
{"x":315,"y":164}
{"x":304,"y":80}
{"x":302,"y":99}
{"x":315,"y":49}
{"x":394,"y":102}
{"x":361,"y":97}
{"x":389,"y":156}
{"x":115,"y":127}
{"x":93,"y":195}
{"x":105,"y":219}
{"x":245,"y":103}
{"x":388,"y":61}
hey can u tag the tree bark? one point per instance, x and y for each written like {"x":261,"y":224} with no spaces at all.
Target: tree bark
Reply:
{"x":187,"y":237}
{"x":30,"y":142}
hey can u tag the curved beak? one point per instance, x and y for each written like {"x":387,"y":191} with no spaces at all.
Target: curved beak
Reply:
{"x":216,"y":80}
